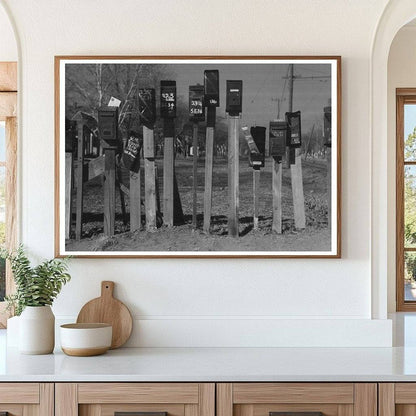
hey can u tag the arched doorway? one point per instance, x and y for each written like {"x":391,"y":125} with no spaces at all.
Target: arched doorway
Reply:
{"x":8,"y":148}
{"x":396,"y":14}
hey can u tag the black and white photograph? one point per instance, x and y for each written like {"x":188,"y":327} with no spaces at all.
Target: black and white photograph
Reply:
{"x":198,"y":157}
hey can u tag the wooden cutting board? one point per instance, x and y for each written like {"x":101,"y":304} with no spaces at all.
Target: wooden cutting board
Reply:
{"x":107,"y":309}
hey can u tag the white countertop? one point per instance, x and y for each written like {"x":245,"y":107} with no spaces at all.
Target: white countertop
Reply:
{"x":213,"y":364}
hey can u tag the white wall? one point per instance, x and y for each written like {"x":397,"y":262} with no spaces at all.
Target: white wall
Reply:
{"x":8,"y":47}
{"x":401,"y":74}
{"x":181,"y":301}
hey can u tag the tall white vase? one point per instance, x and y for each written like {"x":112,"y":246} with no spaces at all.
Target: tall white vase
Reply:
{"x":37,"y":330}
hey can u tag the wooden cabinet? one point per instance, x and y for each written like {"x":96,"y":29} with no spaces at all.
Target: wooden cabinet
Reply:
{"x":27,"y":399}
{"x":397,"y":399}
{"x":332,"y":399}
{"x":104,"y":399}
{"x":208,"y":399}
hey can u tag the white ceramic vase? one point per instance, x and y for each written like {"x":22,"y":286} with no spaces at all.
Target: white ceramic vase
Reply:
{"x":37,"y":330}
{"x":13,"y":331}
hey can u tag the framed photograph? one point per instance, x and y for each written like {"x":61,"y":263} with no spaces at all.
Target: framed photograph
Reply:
{"x":198,"y":156}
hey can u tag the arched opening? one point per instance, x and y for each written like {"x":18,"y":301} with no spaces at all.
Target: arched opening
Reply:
{"x":8,"y":147}
{"x":383,"y":213}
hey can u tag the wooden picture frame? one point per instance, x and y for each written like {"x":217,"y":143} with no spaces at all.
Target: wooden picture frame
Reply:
{"x":264,"y":180}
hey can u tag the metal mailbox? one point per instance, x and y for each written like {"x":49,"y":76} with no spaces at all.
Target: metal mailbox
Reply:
{"x":147,"y":107}
{"x":168,"y":99}
{"x":234,"y":97}
{"x":196,"y":103}
{"x":328,"y":126}
{"x":108,"y":126}
{"x":294,"y":123}
{"x":278,"y":136}
{"x":131,"y":153}
{"x":212,"y":88}
{"x":259,"y":135}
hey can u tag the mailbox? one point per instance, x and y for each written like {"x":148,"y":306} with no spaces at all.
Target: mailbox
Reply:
{"x":108,"y":126}
{"x":131,"y":153}
{"x":259,"y":135}
{"x":212,"y":88}
{"x":234,"y":98}
{"x":147,"y":107}
{"x":196,"y":103}
{"x":168,"y":99}
{"x":327,"y":126}
{"x":278,"y":136}
{"x":295,"y":135}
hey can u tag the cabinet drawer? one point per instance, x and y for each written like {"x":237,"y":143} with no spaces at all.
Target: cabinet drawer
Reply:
{"x":21,"y":399}
{"x":105,"y":399}
{"x":297,"y":399}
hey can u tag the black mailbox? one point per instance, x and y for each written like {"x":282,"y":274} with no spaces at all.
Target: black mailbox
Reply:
{"x":295,"y":136}
{"x":108,"y":126}
{"x":234,"y":97}
{"x":259,"y":135}
{"x":327,"y":126}
{"x":196,"y":103}
{"x":131,"y":153}
{"x":147,"y":107}
{"x":168,"y":99}
{"x":212,"y":88}
{"x":278,"y":136}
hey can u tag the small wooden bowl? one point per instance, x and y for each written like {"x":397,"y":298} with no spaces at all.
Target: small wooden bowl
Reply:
{"x":85,"y":340}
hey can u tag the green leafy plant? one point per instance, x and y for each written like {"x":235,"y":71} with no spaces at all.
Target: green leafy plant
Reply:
{"x":35,"y":286}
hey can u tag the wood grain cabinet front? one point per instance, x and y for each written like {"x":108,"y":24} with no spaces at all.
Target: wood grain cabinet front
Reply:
{"x":297,"y":399}
{"x":26,"y":399}
{"x":110,"y":399}
{"x":397,"y":399}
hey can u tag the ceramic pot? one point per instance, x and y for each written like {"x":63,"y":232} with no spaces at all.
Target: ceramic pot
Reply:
{"x":13,"y":331}
{"x":86,"y":339}
{"x":37,"y":330}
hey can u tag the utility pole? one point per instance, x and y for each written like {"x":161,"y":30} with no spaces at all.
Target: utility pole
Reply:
{"x":296,"y":170}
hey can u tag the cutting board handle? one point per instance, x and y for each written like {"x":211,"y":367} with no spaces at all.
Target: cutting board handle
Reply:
{"x":107,"y":289}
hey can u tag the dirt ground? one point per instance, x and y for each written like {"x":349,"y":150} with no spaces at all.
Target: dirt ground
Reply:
{"x":316,"y":236}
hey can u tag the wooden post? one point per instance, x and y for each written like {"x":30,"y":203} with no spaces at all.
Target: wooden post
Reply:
{"x":149,"y":178}
{"x":168,"y":172}
{"x":195,"y":174}
{"x":109,"y":191}
{"x":297,"y":191}
{"x":68,"y":194}
{"x":256,"y":193}
{"x":277,"y":196}
{"x":233,"y":175}
{"x":209,"y":161}
{"x":80,"y":180}
{"x":328,"y":184}
{"x":296,"y":171}
{"x":135,"y":202}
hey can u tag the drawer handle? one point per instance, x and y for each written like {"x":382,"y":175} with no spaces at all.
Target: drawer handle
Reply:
{"x":296,"y":414}
{"x":138,"y":414}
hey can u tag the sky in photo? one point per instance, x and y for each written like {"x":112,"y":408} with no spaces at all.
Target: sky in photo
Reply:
{"x":263,"y":85}
{"x":409,"y":119}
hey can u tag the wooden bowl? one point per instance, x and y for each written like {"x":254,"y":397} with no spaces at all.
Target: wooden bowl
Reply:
{"x":85,"y":340}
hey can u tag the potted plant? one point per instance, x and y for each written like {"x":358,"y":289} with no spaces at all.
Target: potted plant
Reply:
{"x":36,"y":289}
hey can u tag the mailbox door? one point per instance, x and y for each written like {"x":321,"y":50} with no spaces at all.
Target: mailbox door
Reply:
{"x":234,"y":97}
{"x":168,"y":99}
{"x":196,"y":103}
{"x":212,"y":88}
{"x":278,"y":138}
{"x":147,"y":107}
